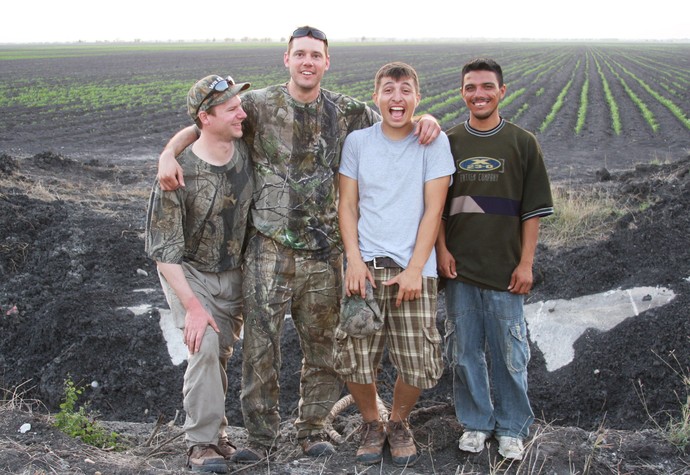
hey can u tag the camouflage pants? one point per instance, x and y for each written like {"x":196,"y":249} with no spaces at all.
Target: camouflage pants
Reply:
{"x":277,"y":277}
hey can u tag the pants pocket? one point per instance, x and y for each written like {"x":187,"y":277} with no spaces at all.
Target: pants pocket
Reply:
{"x":344,"y":359}
{"x":433,"y":359}
{"x":449,"y":342}
{"x":518,"y":354}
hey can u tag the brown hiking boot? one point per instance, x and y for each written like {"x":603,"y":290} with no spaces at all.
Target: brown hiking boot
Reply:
{"x":226,"y":448}
{"x":401,"y":443}
{"x":316,"y":445}
{"x":372,"y":437}
{"x":206,"y":458}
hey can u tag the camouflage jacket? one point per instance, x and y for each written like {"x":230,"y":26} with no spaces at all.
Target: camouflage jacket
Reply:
{"x":205,"y":223}
{"x":295,"y":149}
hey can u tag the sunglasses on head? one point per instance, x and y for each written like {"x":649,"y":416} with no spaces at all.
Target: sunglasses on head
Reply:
{"x":308,"y":31}
{"x":218,"y":85}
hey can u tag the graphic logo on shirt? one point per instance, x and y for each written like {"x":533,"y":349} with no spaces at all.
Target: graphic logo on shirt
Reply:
{"x":480,"y":164}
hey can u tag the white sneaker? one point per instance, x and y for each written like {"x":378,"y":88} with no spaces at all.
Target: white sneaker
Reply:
{"x":473,"y":441}
{"x":510,"y":447}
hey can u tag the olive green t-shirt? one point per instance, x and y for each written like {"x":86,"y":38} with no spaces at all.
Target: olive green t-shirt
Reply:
{"x":500,"y":181}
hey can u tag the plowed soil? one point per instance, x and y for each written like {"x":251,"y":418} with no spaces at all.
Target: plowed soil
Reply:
{"x":79,"y":299}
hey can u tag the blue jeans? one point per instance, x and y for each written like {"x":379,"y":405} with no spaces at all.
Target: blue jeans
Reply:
{"x":481,"y":320}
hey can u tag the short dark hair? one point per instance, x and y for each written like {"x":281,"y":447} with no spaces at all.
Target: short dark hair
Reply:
{"x":482,"y":64}
{"x":397,"y":71}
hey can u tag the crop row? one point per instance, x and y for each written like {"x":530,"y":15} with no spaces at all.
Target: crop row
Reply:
{"x":564,"y":90}
{"x":145,"y":83}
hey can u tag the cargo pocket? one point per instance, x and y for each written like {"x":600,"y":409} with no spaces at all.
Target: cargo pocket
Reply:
{"x":344,"y":360}
{"x":449,"y":341}
{"x":433,"y":361}
{"x":518,"y":353}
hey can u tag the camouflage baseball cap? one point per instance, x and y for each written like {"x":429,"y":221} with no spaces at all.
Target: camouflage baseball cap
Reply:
{"x":211,"y":91}
{"x":360,"y":317}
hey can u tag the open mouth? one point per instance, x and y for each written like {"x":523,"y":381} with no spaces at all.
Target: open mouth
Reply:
{"x":397,"y":112}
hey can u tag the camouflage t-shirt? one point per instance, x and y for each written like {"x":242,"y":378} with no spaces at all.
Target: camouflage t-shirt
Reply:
{"x":205,"y":223}
{"x":295,"y":149}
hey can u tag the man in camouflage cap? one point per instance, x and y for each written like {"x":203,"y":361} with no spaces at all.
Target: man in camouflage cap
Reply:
{"x":196,"y":236}
{"x":294,"y":258}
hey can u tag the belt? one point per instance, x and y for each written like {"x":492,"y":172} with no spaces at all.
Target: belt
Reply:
{"x":383,"y":263}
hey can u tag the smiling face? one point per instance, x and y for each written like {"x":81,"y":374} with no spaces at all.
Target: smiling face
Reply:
{"x":396,"y":95}
{"x":224,"y":120}
{"x":397,"y":100}
{"x":482,"y":93}
{"x":307,"y":59}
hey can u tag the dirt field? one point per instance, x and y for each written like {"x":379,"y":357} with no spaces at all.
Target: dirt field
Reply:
{"x":72,"y":254}
{"x":72,"y":267}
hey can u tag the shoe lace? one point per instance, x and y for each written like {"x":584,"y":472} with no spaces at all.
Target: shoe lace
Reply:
{"x":398,"y":431}
{"x":225,"y":442}
{"x":201,"y":450}
{"x":369,"y":432}
{"x":512,"y":445}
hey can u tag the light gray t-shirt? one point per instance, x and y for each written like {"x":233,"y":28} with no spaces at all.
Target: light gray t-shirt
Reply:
{"x":390,"y":177}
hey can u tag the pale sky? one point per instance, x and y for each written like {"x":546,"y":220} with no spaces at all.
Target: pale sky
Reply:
{"x":127,"y":20}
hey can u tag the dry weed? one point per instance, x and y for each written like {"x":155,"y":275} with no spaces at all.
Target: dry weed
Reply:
{"x":580,"y":215}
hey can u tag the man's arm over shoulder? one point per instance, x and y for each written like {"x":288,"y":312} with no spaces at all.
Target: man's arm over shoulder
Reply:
{"x":357,"y":114}
{"x":170,"y":173}
{"x":427,"y":128}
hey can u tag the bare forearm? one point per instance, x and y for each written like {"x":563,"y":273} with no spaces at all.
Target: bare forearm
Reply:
{"x":348,"y":229}
{"x":530,"y":236}
{"x":426,"y":239}
{"x":441,"y":244}
{"x":348,"y":216}
{"x":434,"y":197}
{"x":174,"y":276}
{"x":181,"y":140}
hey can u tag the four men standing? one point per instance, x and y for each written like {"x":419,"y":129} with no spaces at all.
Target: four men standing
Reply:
{"x":294,"y":133}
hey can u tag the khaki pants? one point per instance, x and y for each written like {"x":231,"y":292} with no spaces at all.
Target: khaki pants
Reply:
{"x":206,"y":380}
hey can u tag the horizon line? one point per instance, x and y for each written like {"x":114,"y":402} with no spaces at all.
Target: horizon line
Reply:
{"x":361,"y":39}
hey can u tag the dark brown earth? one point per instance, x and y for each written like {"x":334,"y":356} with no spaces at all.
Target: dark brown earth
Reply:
{"x":74,"y":183}
{"x":72,"y":263}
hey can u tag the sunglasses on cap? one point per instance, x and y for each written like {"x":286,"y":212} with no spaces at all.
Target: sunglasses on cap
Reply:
{"x":309,"y":31}
{"x":218,"y":85}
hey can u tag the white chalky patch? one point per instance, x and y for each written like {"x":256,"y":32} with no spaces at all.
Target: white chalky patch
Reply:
{"x":555,"y":325}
